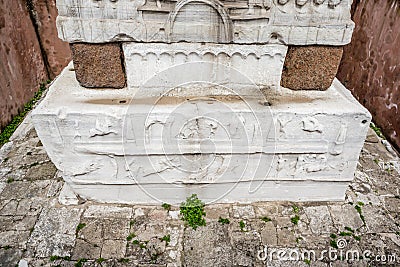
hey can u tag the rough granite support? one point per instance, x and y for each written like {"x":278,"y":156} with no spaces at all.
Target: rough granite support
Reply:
{"x":311,"y":67}
{"x":99,"y":65}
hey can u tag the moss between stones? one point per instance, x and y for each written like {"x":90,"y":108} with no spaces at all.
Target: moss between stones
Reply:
{"x":192,"y":212}
{"x":223,"y":221}
{"x":166,"y":238}
{"x":16,"y":121}
{"x":166,"y":206}
{"x":377,"y":130}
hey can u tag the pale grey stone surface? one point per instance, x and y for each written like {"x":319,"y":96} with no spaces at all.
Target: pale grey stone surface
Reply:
{"x":108,"y":212}
{"x":208,"y":246}
{"x":320,"y":219}
{"x":269,"y":234}
{"x":214,"y":212}
{"x":2,"y":186}
{"x":54,"y":233}
{"x":10,"y":257}
{"x":55,"y":188}
{"x":22,"y":263}
{"x":345,"y":215}
{"x":245,"y":212}
{"x":113,"y":249}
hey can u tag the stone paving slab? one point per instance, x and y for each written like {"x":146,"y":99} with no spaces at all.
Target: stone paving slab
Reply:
{"x":36,"y":230}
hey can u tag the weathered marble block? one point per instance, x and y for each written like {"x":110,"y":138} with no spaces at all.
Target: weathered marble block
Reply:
{"x":292,"y":22}
{"x":136,"y":145}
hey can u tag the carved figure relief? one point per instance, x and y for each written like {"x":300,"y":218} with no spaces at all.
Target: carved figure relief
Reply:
{"x":311,"y":124}
{"x":103,"y":127}
{"x":283,"y":120}
{"x":121,"y":167}
{"x":340,"y":140}
{"x":302,"y":164}
{"x":77,"y":134}
{"x":319,"y":2}
{"x":333,"y":3}
{"x":54,"y":131}
{"x":206,"y":20}
{"x":310,"y":163}
{"x":129,"y":130}
{"x":283,"y":2}
{"x":264,"y":5}
{"x":281,"y":162}
{"x":301,"y":2}
{"x":153,"y":130}
{"x":198,"y":129}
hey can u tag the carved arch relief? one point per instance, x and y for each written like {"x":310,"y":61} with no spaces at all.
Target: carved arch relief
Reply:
{"x":205,"y":20}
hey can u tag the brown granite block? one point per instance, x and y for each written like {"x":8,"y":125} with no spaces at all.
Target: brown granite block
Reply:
{"x":310,"y":67}
{"x":98,"y":65}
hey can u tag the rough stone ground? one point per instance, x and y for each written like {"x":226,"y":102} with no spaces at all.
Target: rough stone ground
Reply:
{"x":36,"y":230}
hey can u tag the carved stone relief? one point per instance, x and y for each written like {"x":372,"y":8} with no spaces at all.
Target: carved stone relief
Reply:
{"x":283,"y":120}
{"x":232,"y":65}
{"x":340,"y":140}
{"x":297,"y":22}
{"x":311,"y":124}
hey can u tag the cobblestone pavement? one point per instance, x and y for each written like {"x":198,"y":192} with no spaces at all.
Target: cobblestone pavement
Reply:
{"x":35,"y":230}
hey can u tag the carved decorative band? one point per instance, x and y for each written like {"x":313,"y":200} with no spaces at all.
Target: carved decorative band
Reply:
{"x":260,"y":64}
{"x":199,"y":50}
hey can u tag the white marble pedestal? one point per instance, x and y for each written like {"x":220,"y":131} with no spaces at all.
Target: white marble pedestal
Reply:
{"x":137,"y":146}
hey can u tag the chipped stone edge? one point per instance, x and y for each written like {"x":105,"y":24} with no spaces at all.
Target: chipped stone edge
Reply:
{"x":67,"y":196}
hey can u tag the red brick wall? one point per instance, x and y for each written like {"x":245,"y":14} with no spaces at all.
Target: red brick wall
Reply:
{"x":30,"y":52}
{"x":370,"y":66}
{"x":21,"y":63}
{"x":57,"y":52}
